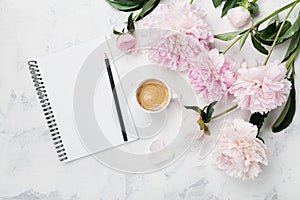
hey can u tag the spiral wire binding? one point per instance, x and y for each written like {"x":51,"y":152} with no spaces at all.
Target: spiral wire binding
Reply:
{"x":47,"y":109}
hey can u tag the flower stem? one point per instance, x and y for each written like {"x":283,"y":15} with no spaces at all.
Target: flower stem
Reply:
{"x":191,"y":1}
{"x":225,"y":112}
{"x":231,"y":45}
{"x":275,"y":13}
{"x":254,"y":1}
{"x":293,"y":4}
{"x":279,"y":31}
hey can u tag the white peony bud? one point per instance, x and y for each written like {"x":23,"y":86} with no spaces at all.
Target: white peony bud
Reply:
{"x":239,"y":16}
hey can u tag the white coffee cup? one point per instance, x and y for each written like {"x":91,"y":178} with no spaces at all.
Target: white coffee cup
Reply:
{"x":153,"y":91}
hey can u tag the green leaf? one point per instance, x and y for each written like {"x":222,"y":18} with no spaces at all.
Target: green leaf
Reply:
{"x":258,"y":119}
{"x":243,"y":39}
{"x":269,"y":30}
{"x":288,"y":112}
{"x":130,"y":24}
{"x":291,"y":31}
{"x":205,"y":116}
{"x":205,"y":113}
{"x":290,"y":62}
{"x":126,"y":5}
{"x":227,"y":36}
{"x":217,"y":2}
{"x":209,"y":110}
{"x":148,"y":7}
{"x":295,"y":42}
{"x":117,"y":32}
{"x":228,"y":5}
{"x":258,"y":45}
{"x":253,"y":8}
{"x":267,"y":35}
{"x":195,"y":108}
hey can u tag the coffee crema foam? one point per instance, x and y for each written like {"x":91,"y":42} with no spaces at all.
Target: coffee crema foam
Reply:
{"x":152,"y":95}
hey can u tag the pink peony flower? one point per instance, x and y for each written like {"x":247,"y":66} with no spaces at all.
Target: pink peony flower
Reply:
{"x":239,"y":17}
{"x":212,"y":75}
{"x":175,"y":52}
{"x":239,"y":152}
{"x":126,"y":42}
{"x":190,"y":34}
{"x":261,"y":89}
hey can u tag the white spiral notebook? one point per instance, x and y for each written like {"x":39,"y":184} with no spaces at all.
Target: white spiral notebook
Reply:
{"x":76,"y":96}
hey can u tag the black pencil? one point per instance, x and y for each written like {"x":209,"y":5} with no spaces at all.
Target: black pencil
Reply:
{"x":115,"y":95}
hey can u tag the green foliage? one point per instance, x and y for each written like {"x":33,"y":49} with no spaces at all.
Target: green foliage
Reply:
{"x":194,"y":108}
{"x":117,"y":32}
{"x":267,"y":35}
{"x":253,"y":8}
{"x":244,"y":38}
{"x":205,"y":115}
{"x":228,"y":36}
{"x":228,"y":5}
{"x":257,"y":45}
{"x":208,"y":111}
{"x":291,"y":31}
{"x":126,"y":5}
{"x":288,"y":112}
{"x":217,"y":2}
{"x":130,"y":24}
{"x":147,"y":8}
{"x":258,"y":119}
{"x":294,"y":44}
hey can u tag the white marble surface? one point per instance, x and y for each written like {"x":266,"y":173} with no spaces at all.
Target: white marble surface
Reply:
{"x":28,"y":165}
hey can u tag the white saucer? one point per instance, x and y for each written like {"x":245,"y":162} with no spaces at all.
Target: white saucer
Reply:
{"x":175,"y":127}
{"x":164,"y":125}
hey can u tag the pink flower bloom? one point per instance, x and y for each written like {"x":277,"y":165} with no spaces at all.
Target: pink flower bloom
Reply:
{"x":175,"y":52}
{"x":126,"y":42}
{"x":261,"y":89}
{"x":239,"y":152}
{"x":190,"y":34}
{"x":239,"y":17}
{"x":212,"y":75}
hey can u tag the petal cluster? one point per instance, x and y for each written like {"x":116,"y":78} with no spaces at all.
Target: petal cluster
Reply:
{"x":239,"y":153}
{"x":212,"y":74}
{"x":262,"y":88}
{"x":175,"y":51}
{"x":190,"y":34}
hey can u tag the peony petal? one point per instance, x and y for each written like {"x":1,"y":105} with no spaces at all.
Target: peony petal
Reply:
{"x":238,"y":152}
{"x":190,"y":36}
{"x":262,"y":88}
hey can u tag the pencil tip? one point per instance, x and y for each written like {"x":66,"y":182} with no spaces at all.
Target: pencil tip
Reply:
{"x":105,"y":56}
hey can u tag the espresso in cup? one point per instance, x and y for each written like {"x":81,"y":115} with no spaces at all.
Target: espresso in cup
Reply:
{"x":153,"y":95}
